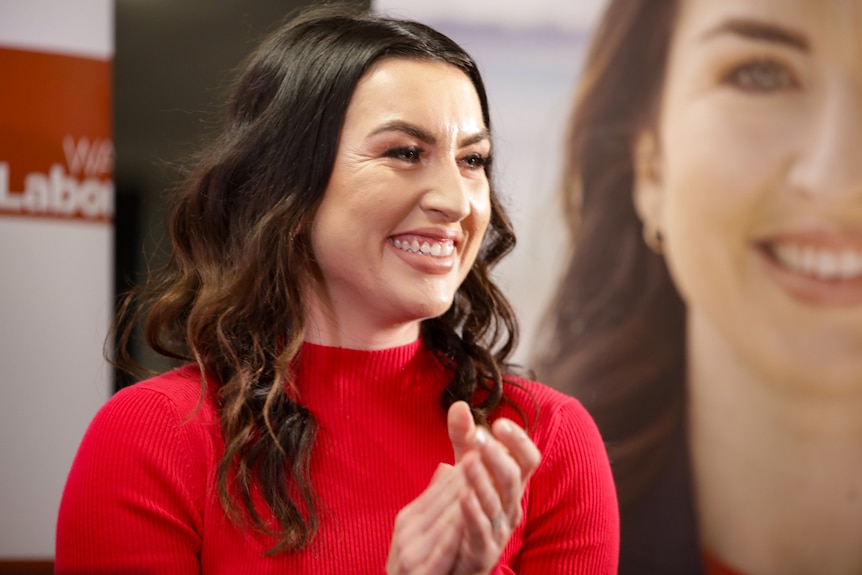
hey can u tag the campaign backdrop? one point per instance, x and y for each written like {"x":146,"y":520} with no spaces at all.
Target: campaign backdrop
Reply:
{"x":56,"y":290}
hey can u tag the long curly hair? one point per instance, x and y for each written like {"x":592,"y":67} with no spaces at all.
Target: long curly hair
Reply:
{"x":231,"y":298}
{"x":616,"y":335}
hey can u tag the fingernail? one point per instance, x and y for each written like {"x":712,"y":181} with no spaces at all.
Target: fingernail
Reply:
{"x":481,"y":436}
{"x":507,"y":427}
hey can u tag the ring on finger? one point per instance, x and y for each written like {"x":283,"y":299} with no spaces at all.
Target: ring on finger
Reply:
{"x":497,"y":522}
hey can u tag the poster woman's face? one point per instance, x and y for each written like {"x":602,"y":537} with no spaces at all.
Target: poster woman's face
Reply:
{"x":408,"y":202}
{"x":754,"y":178}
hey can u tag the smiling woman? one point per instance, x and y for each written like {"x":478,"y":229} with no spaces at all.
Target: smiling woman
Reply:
{"x":344,"y":402}
{"x":724,"y":371}
{"x":409,"y":196}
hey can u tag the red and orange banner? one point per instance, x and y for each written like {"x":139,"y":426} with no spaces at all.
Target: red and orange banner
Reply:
{"x":56,"y":152}
{"x":56,"y":255}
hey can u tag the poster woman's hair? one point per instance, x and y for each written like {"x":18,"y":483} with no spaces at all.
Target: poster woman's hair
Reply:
{"x":616,"y":329}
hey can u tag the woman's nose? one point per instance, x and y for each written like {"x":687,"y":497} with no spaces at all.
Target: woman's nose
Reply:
{"x":448,"y":192}
{"x":830,"y":163}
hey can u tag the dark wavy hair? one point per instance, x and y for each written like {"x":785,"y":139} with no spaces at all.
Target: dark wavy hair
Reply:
{"x":231,"y":296}
{"x":617,"y":324}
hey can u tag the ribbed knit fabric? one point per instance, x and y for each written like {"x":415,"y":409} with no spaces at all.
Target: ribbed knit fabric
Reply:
{"x":140,"y":497}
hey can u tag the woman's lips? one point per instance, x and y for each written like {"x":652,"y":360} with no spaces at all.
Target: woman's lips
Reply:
{"x":819,"y":262}
{"x":433,"y":254}
{"x":823,"y":271}
{"x":424,"y":246}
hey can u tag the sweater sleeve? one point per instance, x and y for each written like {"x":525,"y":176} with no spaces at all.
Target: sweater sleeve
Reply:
{"x":129,"y":501}
{"x":572,"y":514}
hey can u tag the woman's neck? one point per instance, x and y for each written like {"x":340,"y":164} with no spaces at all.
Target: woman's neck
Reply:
{"x":355,"y":330}
{"x":777,"y":464}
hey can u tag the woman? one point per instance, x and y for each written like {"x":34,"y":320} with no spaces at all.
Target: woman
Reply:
{"x":330,"y":296}
{"x":711,"y":315}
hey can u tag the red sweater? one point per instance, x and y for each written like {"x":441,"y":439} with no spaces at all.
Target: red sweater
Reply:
{"x":141,"y":497}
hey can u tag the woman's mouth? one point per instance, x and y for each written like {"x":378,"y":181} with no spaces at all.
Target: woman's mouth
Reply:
{"x":818,"y":273}
{"x":432,"y":248}
{"x":820,"y":263}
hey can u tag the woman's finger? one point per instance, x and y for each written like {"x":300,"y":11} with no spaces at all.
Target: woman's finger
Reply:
{"x":484,"y":488}
{"x":519,"y":445}
{"x":427,"y":531}
{"x":505,"y":474}
{"x":462,"y":429}
{"x":433,"y":549}
{"x":419,"y":515}
{"x":481,"y":544}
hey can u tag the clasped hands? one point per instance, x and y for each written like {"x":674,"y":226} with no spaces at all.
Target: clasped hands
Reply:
{"x":462,"y":521}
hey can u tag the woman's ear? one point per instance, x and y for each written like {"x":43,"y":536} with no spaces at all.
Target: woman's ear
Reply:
{"x":648,"y":189}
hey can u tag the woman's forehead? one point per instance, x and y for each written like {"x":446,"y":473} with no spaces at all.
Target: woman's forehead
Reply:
{"x":830,"y":30}
{"x":810,"y":16}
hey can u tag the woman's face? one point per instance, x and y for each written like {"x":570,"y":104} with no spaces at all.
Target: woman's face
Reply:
{"x":407,"y":205}
{"x":754,"y":179}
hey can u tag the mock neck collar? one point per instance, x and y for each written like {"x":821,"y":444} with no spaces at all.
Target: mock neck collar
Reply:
{"x":338,"y":373}
{"x":381,"y":362}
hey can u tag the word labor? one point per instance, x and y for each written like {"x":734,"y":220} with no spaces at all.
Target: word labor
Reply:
{"x":81,"y":188}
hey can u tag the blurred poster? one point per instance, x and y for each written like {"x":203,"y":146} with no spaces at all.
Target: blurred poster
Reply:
{"x":56,"y":208}
{"x":530,"y":56}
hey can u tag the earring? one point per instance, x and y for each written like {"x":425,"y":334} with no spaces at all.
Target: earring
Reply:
{"x":653,"y":239}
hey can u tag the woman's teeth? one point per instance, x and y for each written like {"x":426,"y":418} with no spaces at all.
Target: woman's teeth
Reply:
{"x":821,"y":263}
{"x":433,"y":249}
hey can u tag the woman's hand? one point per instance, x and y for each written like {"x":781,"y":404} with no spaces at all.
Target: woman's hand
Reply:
{"x":429,"y":529}
{"x":463,"y":520}
{"x":496,"y":467}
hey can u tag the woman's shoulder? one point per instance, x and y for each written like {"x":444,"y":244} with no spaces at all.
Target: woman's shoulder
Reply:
{"x":181,"y":383}
{"x":552,"y":417}
{"x":174,"y":395}
{"x":164,"y":419}
{"x":519,"y":387}
{"x":143,"y":469}
{"x":571,"y":505}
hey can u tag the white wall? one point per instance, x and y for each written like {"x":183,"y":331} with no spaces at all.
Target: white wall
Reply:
{"x":55,"y":267}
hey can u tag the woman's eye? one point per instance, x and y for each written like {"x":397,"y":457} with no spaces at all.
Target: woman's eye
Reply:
{"x":761,"y":76}
{"x":407,"y":153}
{"x":476,"y":161}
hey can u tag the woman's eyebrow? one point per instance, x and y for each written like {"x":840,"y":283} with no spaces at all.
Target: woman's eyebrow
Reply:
{"x":407,"y":128}
{"x":471,"y":139}
{"x":758,"y":30}
{"x":424,"y":136}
